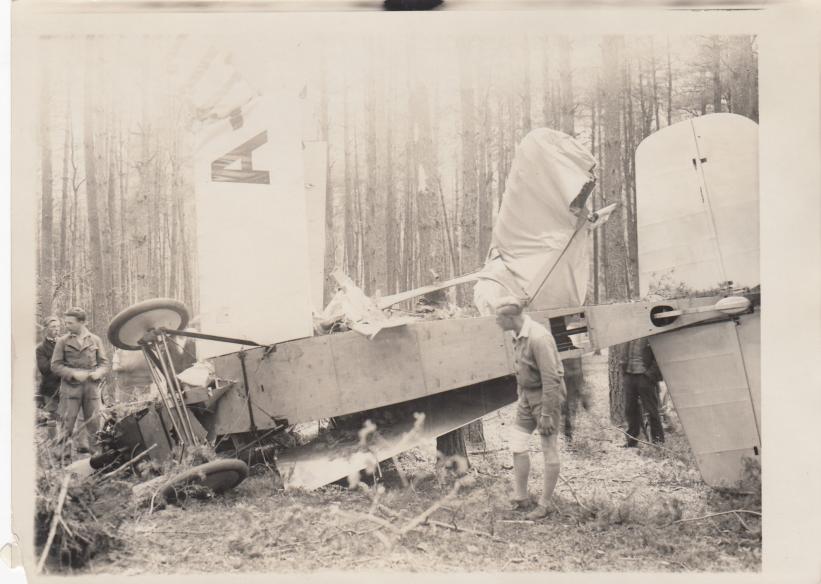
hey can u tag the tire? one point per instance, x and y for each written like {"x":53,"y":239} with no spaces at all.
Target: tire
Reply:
{"x":128,"y":327}
{"x":217,"y":476}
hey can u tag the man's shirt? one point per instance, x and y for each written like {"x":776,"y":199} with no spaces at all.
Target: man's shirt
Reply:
{"x":537,"y":361}
{"x":83,"y":351}
{"x":639,"y":359}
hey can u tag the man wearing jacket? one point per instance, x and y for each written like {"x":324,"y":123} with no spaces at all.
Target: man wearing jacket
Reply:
{"x":641,"y":378}
{"x":80,"y":361}
{"x":47,"y":396}
{"x":540,"y":385}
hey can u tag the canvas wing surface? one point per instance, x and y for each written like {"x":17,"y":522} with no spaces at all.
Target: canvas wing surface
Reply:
{"x":712,"y":374}
{"x":698,"y":220}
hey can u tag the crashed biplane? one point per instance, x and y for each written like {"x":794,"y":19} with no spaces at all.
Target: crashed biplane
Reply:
{"x":697,"y":212}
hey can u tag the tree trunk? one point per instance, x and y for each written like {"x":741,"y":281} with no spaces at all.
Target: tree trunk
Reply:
{"x":616,"y":383}
{"x":98,"y":311}
{"x":594,"y":131}
{"x":655,"y":83}
{"x":547,"y":105}
{"x":470,"y":254}
{"x":324,"y":131}
{"x":526,"y":120}
{"x":566,"y":87}
{"x":703,"y":93}
{"x":64,"y":201}
{"x":743,"y":81}
{"x":350,"y":203}
{"x":612,"y":183}
{"x":409,"y":232}
{"x":452,"y":444}
{"x":630,"y":177}
{"x":669,"y":85}
{"x":431,"y":252}
{"x":612,"y":187}
{"x":47,"y":199}
{"x":716,"y":71}
{"x":485,"y":219}
{"x":391,"y":219}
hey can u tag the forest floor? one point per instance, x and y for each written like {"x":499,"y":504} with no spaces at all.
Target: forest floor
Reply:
{"x":616,"y":509}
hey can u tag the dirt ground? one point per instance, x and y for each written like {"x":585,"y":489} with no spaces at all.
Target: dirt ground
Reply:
{"x":615,"y":510}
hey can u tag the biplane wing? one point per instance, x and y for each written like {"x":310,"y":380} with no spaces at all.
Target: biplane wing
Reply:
{"x":697,"y":198}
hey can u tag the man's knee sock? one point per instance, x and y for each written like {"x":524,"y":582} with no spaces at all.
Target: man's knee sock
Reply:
{"x":551,"y":477}
{"x":521,"y":472}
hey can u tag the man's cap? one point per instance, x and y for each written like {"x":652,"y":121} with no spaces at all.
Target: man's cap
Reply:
{"x":76,"y":312}
{"x":50,"y":319}
{"x":509,"y":305}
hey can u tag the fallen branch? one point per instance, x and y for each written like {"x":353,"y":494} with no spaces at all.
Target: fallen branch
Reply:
{"x":54,"y":521}
{"x":487,"y":451}
{"x":734,"y":511}
{"x":119,"y":469}
{"x":422,"y":517}
{"x":172,"y":531}
{"x":373,"y":518}
{"x":463,"y":529}
{"x":743,"y":523}
{"x":673,"y":452}
{"x":572,"y":492}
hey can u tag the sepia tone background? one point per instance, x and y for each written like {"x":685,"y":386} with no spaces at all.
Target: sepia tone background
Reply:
{"x":421,"y":132}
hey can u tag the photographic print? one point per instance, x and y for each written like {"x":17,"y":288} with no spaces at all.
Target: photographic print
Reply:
{"x":321,"y":293}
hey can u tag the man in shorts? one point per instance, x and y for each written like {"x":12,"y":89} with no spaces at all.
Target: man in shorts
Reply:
{"x":540,"y":381}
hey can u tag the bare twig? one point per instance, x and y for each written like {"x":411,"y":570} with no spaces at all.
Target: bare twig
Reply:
{"x":54,"y":521}
{"x":68,"y":531}
{"x":743,"y":523}
{"x":487,"y":451}
{"x":125,"y":465}
{"x":419,"y":519}
{"x":572,"y":492}
{"x":516,"y":521}
{"x":655,"y":445}
{"x":373,"y":518}
{"x":734,"y":511}
{"x":174,"y":531}
{"x":463,"y":529}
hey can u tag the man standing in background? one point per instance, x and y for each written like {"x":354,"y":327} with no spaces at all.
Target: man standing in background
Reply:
{"x":80,"y":361}
{"x":48,"y":390}
{"x":641,"y":378}
{"x":540,"y":385}
{"x":47,"y":395}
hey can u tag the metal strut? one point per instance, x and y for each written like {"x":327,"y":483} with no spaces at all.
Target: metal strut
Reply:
{"x":241,"y":356}
{"x":179,"y":394}
{"x":153,"y":365}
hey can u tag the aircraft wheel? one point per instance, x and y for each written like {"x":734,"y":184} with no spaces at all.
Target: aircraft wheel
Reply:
{"x":216,"y":476}
{"x":129,"y":327}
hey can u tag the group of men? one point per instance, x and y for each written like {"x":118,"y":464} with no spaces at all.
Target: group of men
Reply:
{"x":71,"y":367}
{"x":541,"y":391}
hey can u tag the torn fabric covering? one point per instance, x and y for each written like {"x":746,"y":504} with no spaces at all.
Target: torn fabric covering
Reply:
{"x":535,"y":223}
{"x":357,"y":311}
